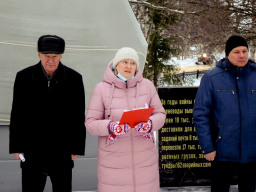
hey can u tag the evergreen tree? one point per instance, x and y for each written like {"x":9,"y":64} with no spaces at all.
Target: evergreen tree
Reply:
{"x":161,"y":45}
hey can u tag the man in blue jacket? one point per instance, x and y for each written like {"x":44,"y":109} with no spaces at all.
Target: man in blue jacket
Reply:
{"x":225,"y":118}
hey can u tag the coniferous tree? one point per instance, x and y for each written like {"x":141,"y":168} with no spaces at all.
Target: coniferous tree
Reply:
{"x":161,"y":45}
{"x":181,"y":24}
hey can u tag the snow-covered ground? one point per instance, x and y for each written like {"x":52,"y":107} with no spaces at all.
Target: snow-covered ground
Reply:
{"x":191,"y":61}
{"x":180,"y":63}
{"x":183,"y":62}
{"x":233,"y":188}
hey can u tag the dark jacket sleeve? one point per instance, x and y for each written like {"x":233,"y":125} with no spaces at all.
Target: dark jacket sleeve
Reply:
{"x":79,"y":133}
{"x":202,"y":115}
{"x":16,"y":121}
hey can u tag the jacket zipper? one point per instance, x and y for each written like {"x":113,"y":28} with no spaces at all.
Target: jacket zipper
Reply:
{"x":233,"y":91}
{"x":219,"y":136}
{"x":252,"y":90}
{"x":132,"y":154}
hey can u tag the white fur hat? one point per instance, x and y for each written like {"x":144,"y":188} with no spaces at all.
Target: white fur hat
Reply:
{"x":126,"y":53}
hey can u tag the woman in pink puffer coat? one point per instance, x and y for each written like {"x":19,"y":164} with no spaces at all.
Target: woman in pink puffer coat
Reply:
{"x":127,"y":157}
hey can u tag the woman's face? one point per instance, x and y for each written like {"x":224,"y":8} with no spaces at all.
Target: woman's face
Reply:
{"x":126,"y":68}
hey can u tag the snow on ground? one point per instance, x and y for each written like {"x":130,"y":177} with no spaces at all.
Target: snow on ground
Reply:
{"x":197,"y":82}
{"x":191,"y":61}
{"x":188,"y":64}
{"x":233,"y":188}
{"x":183,"y":62}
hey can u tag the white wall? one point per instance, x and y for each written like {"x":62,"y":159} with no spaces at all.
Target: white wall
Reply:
{"x":93,"y":31}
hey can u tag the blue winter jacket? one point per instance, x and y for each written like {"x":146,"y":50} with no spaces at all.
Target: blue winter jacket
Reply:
{"x":225,"y":112}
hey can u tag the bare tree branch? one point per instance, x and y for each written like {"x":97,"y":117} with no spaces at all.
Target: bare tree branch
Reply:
{"x":149,"y":5}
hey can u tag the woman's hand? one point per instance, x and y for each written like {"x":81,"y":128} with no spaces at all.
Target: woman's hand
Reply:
{"x":116,"y":129}
{"x":143,"y":127}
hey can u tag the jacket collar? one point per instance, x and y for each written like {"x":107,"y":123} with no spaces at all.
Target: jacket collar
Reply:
{"x":110,"y":77}
{"x":226,"y":65}
{"x":38,"y":73}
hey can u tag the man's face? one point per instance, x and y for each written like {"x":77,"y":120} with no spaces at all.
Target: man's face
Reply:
{"x":238,"y":56}
{"x":50,"y":62}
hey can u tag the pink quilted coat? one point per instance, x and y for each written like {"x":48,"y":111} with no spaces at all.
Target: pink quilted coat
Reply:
{"x":130,"y":163}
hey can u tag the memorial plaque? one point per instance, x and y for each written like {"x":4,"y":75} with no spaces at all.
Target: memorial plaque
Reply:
{"x":181,"y":162}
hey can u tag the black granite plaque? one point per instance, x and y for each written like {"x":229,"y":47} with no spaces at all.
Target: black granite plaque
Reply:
{"x":181,"y":162}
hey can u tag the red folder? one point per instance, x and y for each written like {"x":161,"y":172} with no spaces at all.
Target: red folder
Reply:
{"x":135,"y":116}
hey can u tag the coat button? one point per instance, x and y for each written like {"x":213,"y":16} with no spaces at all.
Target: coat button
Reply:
{"x":219,"y":137}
